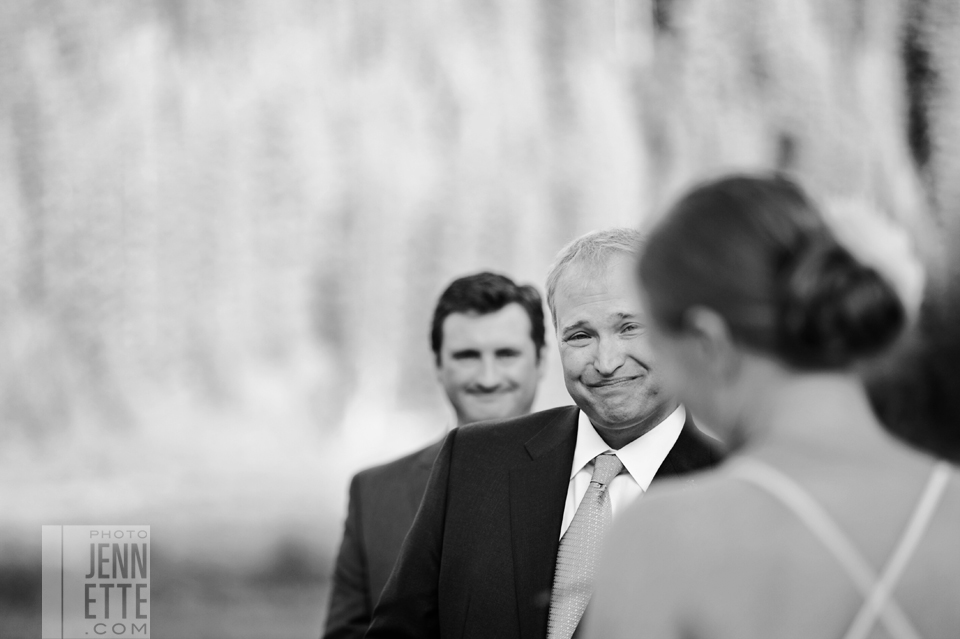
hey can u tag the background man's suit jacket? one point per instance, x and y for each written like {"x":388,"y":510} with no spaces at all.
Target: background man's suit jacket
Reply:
{"x":383,"y":503}
{"x":479,"y":559}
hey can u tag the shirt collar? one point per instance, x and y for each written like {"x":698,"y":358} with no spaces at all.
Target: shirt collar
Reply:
{"x":642,"y":457}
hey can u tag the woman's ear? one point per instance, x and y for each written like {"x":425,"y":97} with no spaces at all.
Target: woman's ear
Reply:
{"x":712,"y":341}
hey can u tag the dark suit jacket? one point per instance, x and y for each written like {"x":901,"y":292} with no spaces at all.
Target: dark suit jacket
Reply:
{"x":383,"y":503}
{"x":479,"y":559}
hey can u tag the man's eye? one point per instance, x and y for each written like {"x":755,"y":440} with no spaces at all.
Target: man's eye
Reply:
{"x":466,"y":355}
{"x":631,"y":328}
{"x":578,"y":337}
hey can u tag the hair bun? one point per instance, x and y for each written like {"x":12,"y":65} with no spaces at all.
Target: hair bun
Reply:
{"x":833,"y":309}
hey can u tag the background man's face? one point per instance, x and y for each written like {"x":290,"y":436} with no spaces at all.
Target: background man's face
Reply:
{"x":608,"y":363}
{"x":488,"y":364}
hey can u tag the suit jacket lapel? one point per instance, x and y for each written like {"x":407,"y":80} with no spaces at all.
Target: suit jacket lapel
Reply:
{"x":420,"y":473}
{"x":694,"y":450}
{"x":538,"y":490}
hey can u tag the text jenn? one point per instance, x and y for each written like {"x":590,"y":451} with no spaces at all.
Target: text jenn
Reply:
{"x":123,"y":559}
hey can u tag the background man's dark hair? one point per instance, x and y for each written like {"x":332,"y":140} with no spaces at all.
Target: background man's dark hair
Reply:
{"x":484,"y":293}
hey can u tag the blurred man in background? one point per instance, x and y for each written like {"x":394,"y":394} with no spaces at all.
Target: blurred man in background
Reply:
{"x":487,"y":338}
{"x":505,"y":541}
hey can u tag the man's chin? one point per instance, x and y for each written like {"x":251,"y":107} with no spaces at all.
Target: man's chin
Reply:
{"x":614,"y":418}
{"x":488,"y":411}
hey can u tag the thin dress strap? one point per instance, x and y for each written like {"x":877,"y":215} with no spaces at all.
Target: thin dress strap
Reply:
{"x":919,"y":522}
{"x":877,"y":604}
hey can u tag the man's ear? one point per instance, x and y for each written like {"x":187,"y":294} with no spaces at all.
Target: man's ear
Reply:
{"x":712,"y":340}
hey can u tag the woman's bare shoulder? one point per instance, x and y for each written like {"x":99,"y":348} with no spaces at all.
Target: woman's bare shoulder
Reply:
{"x":692,"y":497}
{"x":710,"y":517}
{"x":664,"y":554}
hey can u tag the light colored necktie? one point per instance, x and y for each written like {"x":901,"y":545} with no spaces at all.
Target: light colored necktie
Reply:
{"x":580,"y":549}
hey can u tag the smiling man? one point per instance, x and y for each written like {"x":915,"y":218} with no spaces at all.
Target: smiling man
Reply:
{"x":487,"y":338}
{"x":488,"y":358}
{"x":506,"y":537}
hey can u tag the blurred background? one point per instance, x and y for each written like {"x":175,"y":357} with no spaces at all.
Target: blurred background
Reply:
{"x":224,"y":225}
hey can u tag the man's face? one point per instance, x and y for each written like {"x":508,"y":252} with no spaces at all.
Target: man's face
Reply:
{"x":608,"y":363}
{"x":488,"y":364}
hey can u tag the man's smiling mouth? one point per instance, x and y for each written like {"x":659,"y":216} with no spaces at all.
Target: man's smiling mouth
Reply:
{"x":608,"y":383}
{"x":496,"y":393}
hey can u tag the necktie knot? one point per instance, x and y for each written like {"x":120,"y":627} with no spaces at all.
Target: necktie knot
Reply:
{"x":606,"y":466}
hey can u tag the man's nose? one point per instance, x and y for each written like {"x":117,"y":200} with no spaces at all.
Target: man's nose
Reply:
{"x":609,"y":358}
{"x":489,"y":373}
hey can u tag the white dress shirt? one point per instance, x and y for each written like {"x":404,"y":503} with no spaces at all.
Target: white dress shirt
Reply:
{"x":641,"y":460}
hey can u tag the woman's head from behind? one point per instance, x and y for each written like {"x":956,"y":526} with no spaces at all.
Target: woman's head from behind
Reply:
{"x":742,"y":278}
{"x":914,"y":392}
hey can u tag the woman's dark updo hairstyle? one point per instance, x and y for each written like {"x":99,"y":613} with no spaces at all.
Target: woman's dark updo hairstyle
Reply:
{"x":914,"y":391}
{"x":756,"y":250}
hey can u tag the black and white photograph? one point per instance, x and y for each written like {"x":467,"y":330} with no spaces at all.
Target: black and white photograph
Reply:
{"x":485,"y":319}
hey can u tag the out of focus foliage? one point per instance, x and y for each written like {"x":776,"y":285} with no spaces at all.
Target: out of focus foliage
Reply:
{"x":192,"y":188}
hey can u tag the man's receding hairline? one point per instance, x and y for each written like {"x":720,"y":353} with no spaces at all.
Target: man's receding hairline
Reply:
{"x":596,"y":256}
{"x":586,"y":268}
{"x":601,"y":271}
